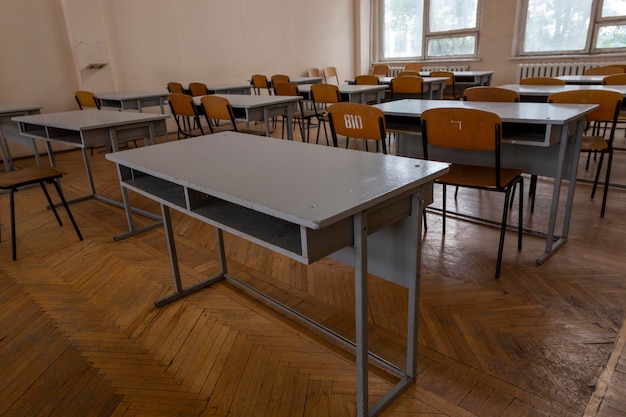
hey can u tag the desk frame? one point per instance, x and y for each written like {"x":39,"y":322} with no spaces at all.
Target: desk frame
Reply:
{"x":87,"y":128}
{"x":132,"y":100}
{"x":195,"y":192}
{"x":432,"y":87}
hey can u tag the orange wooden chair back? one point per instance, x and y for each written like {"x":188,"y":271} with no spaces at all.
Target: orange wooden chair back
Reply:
{"x":491,"y":94}
{"x":198,"y":89}
{"x":86,"y":99}
{"x":366,"y":80}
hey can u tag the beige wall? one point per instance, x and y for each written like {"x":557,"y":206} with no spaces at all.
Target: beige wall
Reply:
{"x":150,"y":42}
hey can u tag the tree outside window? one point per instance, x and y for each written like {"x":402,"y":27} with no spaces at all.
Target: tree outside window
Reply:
{"x":573,"y":26}
{"x":414,"y":29}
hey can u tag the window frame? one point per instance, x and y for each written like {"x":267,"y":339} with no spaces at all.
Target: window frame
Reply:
{"x":378,"y":31}
{"x":596,"y":22}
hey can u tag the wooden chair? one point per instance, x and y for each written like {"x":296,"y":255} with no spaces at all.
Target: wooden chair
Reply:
{"x":219,"y":108}
{"x":358,"y":121}
{"x":302,"y":116}
{"x":380,"y":70}
{"x":197,"y":89}
{"x":472,"y":130}
{"x":86,"y":99}
{"x":279,"y":78}
{"x":614,"y":79}
{"x":413,"y":66}
{"x":366,"y":80}
{"x":604,"y":70}
{"x":610,"y":103}
{"x":314,"y":72}
{"x":260,"y":83}
{"x":330,"y":75}
{"x":175,"y":87}
{"x":184,"y":110}
{"x":490,"y":94}
{"x":41,"y":175}
{"x":541,"y":81}
{"x":323,"y":95}
{"x":450,"y":92}
{"x":406,"y":87}
{"x":408,"y":73}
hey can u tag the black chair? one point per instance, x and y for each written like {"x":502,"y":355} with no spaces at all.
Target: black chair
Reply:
{"x":34,"y":175}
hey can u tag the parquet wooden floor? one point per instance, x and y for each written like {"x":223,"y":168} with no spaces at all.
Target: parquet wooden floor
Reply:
{"x":79,"y":335}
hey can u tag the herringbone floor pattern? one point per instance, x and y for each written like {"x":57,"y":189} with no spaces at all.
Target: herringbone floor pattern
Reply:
{"x":79,"y":335}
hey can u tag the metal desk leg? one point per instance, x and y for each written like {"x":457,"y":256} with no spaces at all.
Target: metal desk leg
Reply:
{"x":125,"y":200}
{"x":551,"y":245}
{"x":360,"y":299}
{"x":179,"y":291}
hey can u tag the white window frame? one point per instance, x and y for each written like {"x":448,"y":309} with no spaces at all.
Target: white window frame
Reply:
{"x":378,"y":43}
{"x":596,"y":23}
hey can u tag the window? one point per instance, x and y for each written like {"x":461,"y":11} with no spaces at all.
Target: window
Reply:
{"x":423,"y":29}
{"x":573,"y":26}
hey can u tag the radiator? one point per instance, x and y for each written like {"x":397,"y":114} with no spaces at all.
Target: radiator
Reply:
{"x":394,"y":70}
{"x":556,"y":69}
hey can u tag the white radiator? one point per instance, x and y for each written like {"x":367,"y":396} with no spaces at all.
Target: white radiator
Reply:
{"x":556,"y":69}
{"x":394,"y":70}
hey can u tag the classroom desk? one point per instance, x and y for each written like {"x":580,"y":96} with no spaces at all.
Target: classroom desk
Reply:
{"x":539,"y":138}
{"x":253,"y":108}
{"x":266,"y":203}
{"x":540,"y":93}
{"x":93,"y":128}
{"x":582,"y":79}
{"x":133,"y":100}
{"x":353,"y":93}
{"x":468,"y":78}
{"x":433,"y":86}
{"x":9,"y":130}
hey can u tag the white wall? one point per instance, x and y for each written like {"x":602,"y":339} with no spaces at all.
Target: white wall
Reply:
{"x":225,"y":41}
{"x":151,"y":42}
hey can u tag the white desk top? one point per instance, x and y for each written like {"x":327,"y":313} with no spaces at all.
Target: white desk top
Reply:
{"x":251,"y":100}
{"x":582,"y":79}
{"x":7,"y":107}
{"x":348,"y":88}
{"x":88,"y":119}
{"x":130,"y":95}
{"x":306,"y":80}
{"x":273,"y":176}
{"x":536,"y":113}
{"x":461,"y":73}
{"x":425,"y":80}
{"x":211,"y":87}
{"x":545,"y":90}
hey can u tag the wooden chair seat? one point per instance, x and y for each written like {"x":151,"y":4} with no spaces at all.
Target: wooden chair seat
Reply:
{"x":478,"y":176}
{"x":32,"y":175}
{"x":593,"y":143}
